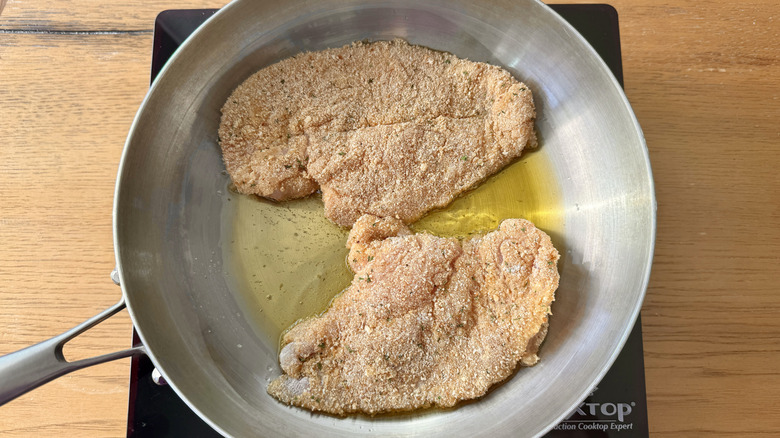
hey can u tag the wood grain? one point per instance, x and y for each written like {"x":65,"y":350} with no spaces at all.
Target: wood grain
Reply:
{"x":702,"y":78}
{"x":73,"y":75}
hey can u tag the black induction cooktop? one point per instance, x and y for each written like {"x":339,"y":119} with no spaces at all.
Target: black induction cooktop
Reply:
{"x":618,"y":406}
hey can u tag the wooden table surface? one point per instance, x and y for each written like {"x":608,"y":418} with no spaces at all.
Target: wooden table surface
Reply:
{"x":703,"y":79}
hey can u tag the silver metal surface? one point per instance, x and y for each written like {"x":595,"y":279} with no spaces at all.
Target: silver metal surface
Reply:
{"x":33,"y":366}
{"x":115,"y":276}
{"x":170,"y":211}
{"x":158,"y":378}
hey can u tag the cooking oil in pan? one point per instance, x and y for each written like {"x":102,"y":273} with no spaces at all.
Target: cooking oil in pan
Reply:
{"x":291,"y":260}
{"x":526,"y":189}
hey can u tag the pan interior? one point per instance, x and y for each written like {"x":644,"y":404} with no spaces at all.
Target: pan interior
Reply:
{"x":192,"y":253}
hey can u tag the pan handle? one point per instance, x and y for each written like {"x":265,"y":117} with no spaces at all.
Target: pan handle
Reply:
{"x":33,"y":366}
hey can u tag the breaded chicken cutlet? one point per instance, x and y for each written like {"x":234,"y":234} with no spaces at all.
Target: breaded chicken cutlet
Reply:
{"x":427,"y":321}
{"x":383,"y":128}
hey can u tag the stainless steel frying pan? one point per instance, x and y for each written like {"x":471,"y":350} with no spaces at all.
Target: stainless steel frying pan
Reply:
{"x":172,"y":218}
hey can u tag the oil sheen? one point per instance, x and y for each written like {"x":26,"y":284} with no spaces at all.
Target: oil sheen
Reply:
{"x":290,"y":261}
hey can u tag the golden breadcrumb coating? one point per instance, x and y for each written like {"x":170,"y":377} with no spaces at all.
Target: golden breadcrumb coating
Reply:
{"x":427,"y":321}
{"x":385,"y":128}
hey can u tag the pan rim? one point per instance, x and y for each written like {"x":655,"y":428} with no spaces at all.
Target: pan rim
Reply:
{"x":652,"y":205}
